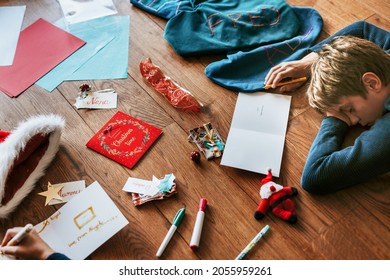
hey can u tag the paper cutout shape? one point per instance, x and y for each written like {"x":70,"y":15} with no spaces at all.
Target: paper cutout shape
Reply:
{"x":257,"y":133}
{"x":124,"y":139}
{"x":52,"y":193}
{"x":83,"y":224}
{"x":165,"y":185}
{"x":68,"y":191}
{"x":41,"y":47}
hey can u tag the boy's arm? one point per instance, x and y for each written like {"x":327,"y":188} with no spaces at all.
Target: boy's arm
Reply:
{"x":330,"y":168}
{"x":299,"y":68}
{"x":364,"y":30}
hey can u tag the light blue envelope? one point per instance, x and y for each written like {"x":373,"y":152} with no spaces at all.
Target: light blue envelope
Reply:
{"x":105,"y":56}
{"x":112,"y":61}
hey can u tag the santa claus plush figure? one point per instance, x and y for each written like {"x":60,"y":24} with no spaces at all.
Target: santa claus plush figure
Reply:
{"x":278,"y":199}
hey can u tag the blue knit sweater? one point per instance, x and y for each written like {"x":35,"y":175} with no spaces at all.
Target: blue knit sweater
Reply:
{"x":329,"y":167}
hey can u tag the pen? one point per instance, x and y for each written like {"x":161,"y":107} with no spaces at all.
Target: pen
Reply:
{"x":292,"y":81}
{"x":194,"y":243}
{"x":252,"y":243}
{"x":20,"y":235}
{"x":175,"y":223}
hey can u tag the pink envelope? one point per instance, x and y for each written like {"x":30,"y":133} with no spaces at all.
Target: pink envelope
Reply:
{"x":41,"y":47}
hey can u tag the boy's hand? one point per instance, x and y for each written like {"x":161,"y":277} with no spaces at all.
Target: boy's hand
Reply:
{"x":292,"y":69}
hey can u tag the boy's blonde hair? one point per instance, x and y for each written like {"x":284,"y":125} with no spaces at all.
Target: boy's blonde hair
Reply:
{"x":339,"y":69}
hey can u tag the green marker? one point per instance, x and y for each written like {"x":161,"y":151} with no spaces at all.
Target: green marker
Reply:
{"x":175,"y":223}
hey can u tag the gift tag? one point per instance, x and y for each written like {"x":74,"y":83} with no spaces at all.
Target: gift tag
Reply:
{"x":102,"y":99}
{"x":140,"y":186}
{"x":64,"y":192}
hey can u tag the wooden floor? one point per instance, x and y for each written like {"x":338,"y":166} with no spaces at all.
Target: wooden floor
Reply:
{"x":350,"y":224}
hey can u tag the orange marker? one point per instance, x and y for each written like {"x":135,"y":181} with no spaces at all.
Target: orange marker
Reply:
{"x":292,"y":81}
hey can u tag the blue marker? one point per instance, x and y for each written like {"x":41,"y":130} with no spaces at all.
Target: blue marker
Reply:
{"x":252,"y":243}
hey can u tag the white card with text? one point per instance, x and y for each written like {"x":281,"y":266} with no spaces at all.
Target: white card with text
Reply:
{"x":257,"y":133}
{"x":83,"y":224}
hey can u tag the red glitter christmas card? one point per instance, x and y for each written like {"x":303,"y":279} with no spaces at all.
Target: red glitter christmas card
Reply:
{"x":124,"y":139}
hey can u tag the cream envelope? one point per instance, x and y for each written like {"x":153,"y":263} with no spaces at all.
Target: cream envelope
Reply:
{"x":83,"y":224}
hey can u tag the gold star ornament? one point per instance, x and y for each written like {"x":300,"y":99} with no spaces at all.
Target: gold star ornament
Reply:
{"x":52,"y":192}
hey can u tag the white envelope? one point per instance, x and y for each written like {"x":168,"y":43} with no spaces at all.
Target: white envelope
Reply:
{"x":257,"y":133}
{"x":83,"y":224}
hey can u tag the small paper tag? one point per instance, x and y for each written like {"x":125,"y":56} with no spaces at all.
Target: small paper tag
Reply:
{"x":69,"y":190}
{"x":165,"y":184}
{"x":102,"y":99}
{"x":140,"y":186}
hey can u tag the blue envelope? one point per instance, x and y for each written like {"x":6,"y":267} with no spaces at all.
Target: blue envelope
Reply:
{"x":105,"y":56}
{"x":112,"y":61}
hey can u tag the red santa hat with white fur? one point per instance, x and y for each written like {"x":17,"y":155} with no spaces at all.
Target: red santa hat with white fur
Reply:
{"x":25,"y":153}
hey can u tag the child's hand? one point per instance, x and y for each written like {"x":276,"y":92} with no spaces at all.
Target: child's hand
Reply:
{"x":31,"y":247}
{"x":292,"y":69}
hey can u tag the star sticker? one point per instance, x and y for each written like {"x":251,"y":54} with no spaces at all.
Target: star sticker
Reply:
{"x":52,"y":192}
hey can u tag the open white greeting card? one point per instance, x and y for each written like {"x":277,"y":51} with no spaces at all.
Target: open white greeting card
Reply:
{"x":257,"y":133}
{"x":82,"y":224}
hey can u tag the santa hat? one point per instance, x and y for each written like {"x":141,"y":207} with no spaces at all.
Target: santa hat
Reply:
{"x":268,"y":187}
{"x":24,"y":155}
{"x":268,"y":178}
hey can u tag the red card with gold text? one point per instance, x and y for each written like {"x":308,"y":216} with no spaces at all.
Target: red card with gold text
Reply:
{"x":124,"y":139}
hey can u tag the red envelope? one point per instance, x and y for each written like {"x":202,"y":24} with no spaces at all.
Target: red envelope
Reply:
{"x":41,"y":47}
{"x":124,"y":139}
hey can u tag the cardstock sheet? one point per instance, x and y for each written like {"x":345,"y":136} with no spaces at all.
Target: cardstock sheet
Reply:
{"x":95,"y":40}
{"x":83,"y":224}
{"x":257,"y":134}
{"x":111,"y":62}
{"x":104,"y":57}
{"x":41,"y":47}
{"x":11,"y":19}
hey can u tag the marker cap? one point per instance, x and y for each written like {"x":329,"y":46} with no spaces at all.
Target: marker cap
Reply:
{"x":179,"y":216}
{"x":202,"y":204}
